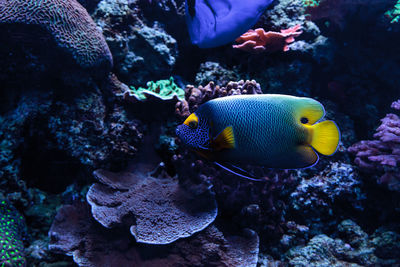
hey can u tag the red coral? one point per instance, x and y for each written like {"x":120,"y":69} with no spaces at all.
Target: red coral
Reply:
{"x":258,"y":40}
{"x":67,"y":22}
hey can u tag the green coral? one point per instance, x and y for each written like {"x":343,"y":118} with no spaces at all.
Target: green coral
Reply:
{"x":311,"y":3}
{"x":163,"y":89}
{"x":394,"y":13}
{"x":12,"y":231}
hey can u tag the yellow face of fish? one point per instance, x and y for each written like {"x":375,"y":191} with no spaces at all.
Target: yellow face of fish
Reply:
{"x":192,"y":121}
{"x":194,"y":132}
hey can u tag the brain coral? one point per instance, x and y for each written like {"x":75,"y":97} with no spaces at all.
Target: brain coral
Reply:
{"x":67,"y":22}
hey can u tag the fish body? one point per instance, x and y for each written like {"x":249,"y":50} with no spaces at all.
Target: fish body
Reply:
{"x":277,"y":131}
{"x":213,"y":23}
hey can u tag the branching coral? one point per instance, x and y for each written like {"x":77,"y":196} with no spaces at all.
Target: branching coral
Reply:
{"x":68,"y":23}
{"x":258,"y":40}
{"x":383,"y":153}
{"x":12,"y":232}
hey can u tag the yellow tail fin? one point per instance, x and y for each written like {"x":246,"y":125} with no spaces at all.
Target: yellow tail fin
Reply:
{"x":325,"y":137}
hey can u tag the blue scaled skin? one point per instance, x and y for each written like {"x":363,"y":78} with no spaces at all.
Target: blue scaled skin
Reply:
{"x":213,"y":23}
{"x":275,"y":131}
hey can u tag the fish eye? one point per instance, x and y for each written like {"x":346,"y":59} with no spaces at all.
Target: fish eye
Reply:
{"x":193,"y":124}
{"x":304,"y":120}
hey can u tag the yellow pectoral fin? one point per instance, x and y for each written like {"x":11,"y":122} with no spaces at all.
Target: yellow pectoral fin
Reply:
{"x":325,"y":137}
{"x":225,"y":139}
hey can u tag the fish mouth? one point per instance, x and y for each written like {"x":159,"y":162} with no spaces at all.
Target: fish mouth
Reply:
{"x":179,"y":133}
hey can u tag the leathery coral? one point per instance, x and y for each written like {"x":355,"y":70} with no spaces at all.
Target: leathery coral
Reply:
{"x":157,"y":210}
{"x":383,"y":153}
{"x":74,"y":232}
{"x":258,"y":40}
{"x":67,"y":22}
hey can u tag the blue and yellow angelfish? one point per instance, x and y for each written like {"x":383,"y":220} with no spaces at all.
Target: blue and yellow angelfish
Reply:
{"x":275,"y":131}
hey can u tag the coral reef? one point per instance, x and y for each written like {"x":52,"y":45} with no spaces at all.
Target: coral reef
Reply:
{"x":195,"y":96}
{"x":394,"y":14}
{"x":76,"y":233}
{"x":260,"y":206}
{"x":162,"y":89}
{"x":148,"y":206}
{"x":43,"y":138}
{"x":141,"y":52}
{"x":87,"y":130}
{"x":213,"y":71}
{"x":355,"y":248}
{"x":339,"y":11}
{"x":152,"y":202}
{"x":12,"y":234}
{"x":383,"y":154}
{"x":311,"y":3}
{"x":285,"y":14}
{"x":258,"y":40}
{"x":321,"y":195}
{"x":68,"y":23}
{"x":13,"y":138}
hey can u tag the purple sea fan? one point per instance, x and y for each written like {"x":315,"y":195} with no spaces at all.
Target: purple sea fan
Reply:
{"x":382,"y":154}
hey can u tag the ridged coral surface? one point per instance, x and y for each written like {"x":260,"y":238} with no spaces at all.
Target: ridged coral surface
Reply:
{"x":67,"y":22}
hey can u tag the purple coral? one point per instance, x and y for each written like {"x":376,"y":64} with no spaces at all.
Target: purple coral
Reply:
{"x":382,"y":154}
{"x":75,"y":233}
{"x":157,"y":210}
{"x":67,"y":22}
{"x":195,"y":96}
